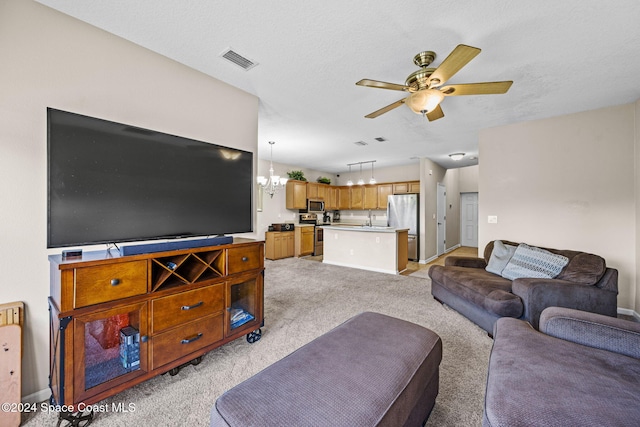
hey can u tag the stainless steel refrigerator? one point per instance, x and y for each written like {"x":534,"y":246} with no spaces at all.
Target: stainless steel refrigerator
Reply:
{"x":403,"y":212}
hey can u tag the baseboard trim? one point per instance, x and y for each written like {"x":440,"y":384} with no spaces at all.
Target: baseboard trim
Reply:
{"x":377,"y":270}
{"x":446,"y":251}
{"x":428,"y":260}
{"x":38,"y":396}
{"x":629,"y":312}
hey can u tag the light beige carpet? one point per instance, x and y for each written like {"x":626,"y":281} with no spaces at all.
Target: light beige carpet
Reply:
{"x":304,"y":299}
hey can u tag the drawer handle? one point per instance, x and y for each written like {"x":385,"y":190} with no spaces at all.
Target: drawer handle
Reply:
{"x":115,"y":282}
{"x":190,"y":340}
{"x":189,"y":307}
{"x":245,"y":259}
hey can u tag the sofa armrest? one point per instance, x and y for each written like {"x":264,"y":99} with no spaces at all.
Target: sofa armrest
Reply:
{"x":461,"y":261}
{"x":593,"y":330}
{"x":538,"y":294}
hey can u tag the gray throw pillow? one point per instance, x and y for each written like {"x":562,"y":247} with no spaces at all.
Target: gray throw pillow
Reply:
{"x":500,"y":257}
{"x":529,"y":261}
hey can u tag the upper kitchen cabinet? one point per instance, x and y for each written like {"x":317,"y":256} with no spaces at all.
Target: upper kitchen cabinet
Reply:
{"x":406,"y":187}
{"x":296,"y":194}
{"x":317,"y":191}
{"x":357,"y":197}
{"x":384,"y":191}
{"x":331,"y":200}
{"x":371,"y":197}
{"x":344,"y":198}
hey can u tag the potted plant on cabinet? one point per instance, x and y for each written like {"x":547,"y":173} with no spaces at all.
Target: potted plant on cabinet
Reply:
{"x":297,"y":175}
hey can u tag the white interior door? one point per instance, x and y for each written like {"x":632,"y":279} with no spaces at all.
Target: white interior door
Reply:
{"x":469,"y":219}
{"x":441,"y":217}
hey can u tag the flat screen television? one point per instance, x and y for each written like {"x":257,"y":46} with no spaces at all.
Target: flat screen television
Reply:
{"x":110,"y":182}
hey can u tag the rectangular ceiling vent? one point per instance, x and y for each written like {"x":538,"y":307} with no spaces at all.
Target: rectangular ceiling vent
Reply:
{"x":380,"y":139}
{"x":237,"y":59}
{"x":361,"y":143}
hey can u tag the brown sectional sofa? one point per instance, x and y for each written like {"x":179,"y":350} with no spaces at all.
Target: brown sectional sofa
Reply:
{"x":581,"y":369}
{"x":585,"y":283}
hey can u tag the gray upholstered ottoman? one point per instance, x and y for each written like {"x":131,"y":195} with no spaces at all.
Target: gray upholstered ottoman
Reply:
{"x":372,"y":370}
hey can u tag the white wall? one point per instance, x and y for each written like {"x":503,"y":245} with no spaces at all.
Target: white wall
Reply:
{"x":566,"y":182}
{"x":636,"y":290}
{"x":469,"y":179}
{"x":52,"y":60}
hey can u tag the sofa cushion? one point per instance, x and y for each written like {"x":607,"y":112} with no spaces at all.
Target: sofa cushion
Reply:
{"x":529,"y":261}
{"x":584,"y":268}
{"x":484,"y":289}
{"x":500,"y":257}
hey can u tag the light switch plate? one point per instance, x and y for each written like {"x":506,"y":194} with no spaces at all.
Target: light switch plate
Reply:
{"x":492,"y":219}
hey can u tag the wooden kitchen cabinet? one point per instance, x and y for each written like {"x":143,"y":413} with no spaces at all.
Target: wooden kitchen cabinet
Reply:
{"x":406,"y":187}
{"x":168,"y":309}
{"x":296,"y":194}
{"x":317,"y":191}
{"x":357,"y":197}
{"x":344,"y":198}
{"x":370,"y":197}
{"x":279,"y":244}
{"x":384,"y":191}
{"x":304,"y":240}
{"x":331,"y":199}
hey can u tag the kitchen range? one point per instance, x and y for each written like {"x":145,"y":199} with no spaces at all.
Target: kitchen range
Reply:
{"x":312,"y":218}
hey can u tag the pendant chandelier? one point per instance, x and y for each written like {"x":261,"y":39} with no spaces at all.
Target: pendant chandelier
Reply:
{"x":361,"y":180}
{"x":274,"y":182}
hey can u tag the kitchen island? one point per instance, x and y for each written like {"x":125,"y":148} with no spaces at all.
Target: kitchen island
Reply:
{"x":382,"y":249}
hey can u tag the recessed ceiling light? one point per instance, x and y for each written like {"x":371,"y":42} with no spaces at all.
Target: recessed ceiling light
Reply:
{"x":456,"y":156}
{"x":361,"y":143}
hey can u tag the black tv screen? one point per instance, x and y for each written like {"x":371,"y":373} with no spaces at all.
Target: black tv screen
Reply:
{"x":110,"y":182}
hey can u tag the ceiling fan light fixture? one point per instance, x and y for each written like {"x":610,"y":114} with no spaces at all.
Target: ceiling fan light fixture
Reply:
{"x":424,"y":101}
{"x":456,"y":156}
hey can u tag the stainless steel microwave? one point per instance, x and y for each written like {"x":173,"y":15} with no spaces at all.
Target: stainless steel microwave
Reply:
{"x":315,"y":205}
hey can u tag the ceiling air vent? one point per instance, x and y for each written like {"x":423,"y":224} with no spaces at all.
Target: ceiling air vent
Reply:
{"x":380,"y":139}
{"x":237,"y":59}
{"x":361,"y":143}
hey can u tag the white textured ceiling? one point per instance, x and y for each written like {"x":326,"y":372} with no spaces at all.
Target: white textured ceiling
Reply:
{"x":563,"y":56}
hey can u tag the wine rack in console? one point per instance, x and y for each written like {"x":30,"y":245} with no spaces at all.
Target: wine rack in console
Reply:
{"x":184,"y":269}
{"x":119,"y":320}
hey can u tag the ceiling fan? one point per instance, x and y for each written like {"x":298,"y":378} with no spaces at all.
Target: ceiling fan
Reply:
{"x":425,"y":85}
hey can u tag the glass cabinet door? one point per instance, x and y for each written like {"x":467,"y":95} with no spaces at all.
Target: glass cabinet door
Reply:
{"x":244,"y":305}
{"x":110,"y":347}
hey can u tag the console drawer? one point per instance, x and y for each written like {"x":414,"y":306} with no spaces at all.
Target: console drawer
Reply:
{"x":174,"y":310}
{"x":244,"y":258}
{"x":173,"y":344}
{"x":102,"y":283}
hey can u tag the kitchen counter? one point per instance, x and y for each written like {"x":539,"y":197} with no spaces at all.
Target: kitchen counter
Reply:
{"x":366,"y":228}
{"x":375,"y":248}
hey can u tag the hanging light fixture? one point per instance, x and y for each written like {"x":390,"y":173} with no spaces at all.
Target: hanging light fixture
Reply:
{"x":349,"y":182}
{"x":424,"y":101}
{"x":360,"y":181}
{"x":372,"y":180}
{"x":275,"y":182}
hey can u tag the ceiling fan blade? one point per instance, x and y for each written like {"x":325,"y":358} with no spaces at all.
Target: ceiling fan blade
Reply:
{"x":382,"y":85}
{"x":487,"y":88}
{"x":385,"y":109}
{"x":458,"y":58}
{"x":435,"y":114}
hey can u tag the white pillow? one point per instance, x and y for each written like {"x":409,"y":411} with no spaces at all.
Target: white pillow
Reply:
{"x":500,"y":257}
{"x":529,"y":261}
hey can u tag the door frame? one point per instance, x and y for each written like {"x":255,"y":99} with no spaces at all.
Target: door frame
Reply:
{"x":441,"y":219}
